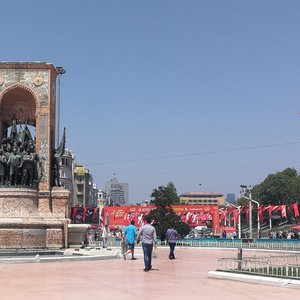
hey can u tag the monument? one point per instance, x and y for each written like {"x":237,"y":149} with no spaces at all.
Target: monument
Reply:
{"x":33,"y":206}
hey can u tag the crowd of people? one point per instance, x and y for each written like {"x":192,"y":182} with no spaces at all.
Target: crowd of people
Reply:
{"x":130,"y":236}
{"x":283,"y":234}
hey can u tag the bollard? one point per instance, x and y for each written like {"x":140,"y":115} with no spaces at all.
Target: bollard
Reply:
{"x":240,"y":258}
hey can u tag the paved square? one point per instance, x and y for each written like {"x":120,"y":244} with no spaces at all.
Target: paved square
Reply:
{"x":116,"y":279}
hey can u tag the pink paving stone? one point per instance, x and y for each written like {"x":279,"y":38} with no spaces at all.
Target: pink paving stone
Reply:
{"x":114,"y":279}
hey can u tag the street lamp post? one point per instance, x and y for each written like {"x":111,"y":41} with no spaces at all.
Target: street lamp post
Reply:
{"x":250,"y":216}
{"x":246,"y":189}
{"x":60,"y":71}
{"x":258,"y":221}
{"x":239,"y":225}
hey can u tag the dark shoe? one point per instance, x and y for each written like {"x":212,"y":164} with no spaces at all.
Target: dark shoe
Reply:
{"x":150,"y":267}
{"x":146,"y":270}
{"x":133,"y":258}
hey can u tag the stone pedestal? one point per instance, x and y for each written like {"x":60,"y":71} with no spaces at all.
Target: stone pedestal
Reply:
{"x":77,"y":234}
{"x":33,"y":220}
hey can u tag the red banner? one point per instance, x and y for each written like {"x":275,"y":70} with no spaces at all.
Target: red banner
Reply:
{"x":294,"y":208}
{"x":192,"y":215}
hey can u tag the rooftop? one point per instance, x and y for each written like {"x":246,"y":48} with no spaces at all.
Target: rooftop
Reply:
{"x":201,"y":194}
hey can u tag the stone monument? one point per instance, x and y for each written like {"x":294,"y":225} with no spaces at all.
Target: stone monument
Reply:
{"x":33,"y":207}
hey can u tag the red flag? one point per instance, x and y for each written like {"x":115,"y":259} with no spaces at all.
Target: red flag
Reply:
{"x":236,"y":216}
{"x":270,"y":209}
{"x":294,"y":207}
{"x":260,"y":214}
{"x":273,"y":208}
{"x":224,"y":215}
{"x":283,"y":211}
{"x":95,"y":213}
{"x":74,"y":212}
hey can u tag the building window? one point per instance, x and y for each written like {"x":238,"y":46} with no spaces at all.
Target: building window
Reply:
{"x":80,"y":199}
{"x":65,"y":162}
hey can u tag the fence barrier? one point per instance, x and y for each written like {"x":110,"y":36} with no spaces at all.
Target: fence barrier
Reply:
{"x":284,"y":245}
{"x":285,"y":266}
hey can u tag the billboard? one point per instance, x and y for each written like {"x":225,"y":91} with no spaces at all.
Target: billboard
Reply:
{"x":121,"y":216}
{"x":192,"y":215}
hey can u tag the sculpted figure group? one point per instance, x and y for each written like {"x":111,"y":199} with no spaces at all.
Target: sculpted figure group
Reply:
{"x":17,"y":157}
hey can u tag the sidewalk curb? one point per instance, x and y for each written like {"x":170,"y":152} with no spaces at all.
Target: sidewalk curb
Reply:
{"x":279,"y":282}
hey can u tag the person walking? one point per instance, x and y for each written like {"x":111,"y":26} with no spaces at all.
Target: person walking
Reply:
{"x":130,"y":235}
{"x":171,"y":236}
{"x":147,"y":234}
{"x":105,"y":233}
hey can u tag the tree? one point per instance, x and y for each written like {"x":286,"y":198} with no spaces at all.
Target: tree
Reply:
{"x":278,"y":189}
{"x":182,"y":228}
{"x":164,"y":216}
{"x":165,"y":195}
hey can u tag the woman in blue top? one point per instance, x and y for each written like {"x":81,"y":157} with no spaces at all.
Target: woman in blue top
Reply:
{"x":130,"y":235}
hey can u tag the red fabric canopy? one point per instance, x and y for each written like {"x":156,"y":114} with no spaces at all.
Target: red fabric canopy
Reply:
{"x":295,"y":227}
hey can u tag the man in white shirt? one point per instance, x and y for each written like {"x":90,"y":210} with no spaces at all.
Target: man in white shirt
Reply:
{"x":105,"y":232}
{"x":147,"y":234}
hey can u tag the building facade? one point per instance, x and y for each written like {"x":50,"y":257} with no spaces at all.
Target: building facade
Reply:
{"x":201,"y":198}
{"x":117,"y":192}
{"x":83,"y":187}
{"x":102,"y":198}
{"x":66,"y":173}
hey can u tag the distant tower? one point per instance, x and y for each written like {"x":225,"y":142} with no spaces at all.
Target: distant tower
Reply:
{"x":230,"y":198}
{"x":117,"y":192}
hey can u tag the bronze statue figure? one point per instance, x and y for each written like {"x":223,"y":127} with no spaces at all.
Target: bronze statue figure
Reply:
{"x":17,"y":156}
{"x":56,"y":156}
{"x":18,"y":159}
{"x":14,"y":163}
{"x":28,"y":167}
{"x":3,"y":167}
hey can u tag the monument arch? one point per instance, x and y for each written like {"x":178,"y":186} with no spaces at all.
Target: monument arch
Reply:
{"x":33,"y":211}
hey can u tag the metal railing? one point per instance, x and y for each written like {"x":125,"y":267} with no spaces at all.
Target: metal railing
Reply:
{"x":246,"y":244}
{"x":284,"y":245}
{"x":284,"y":266}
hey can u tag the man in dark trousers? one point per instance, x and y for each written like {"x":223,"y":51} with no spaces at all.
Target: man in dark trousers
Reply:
{"x":147,"y":234}
{"x":171,"y":236}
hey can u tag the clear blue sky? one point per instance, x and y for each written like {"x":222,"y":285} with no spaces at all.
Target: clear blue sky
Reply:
{"x":194,"y":92}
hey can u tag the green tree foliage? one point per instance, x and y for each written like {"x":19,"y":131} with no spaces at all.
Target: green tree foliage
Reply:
{"x":182,"y":228}
{"x":279,"y":188}
{"x":164,"y":216}
{"x":165,"y":195}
